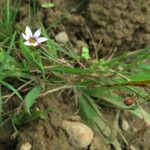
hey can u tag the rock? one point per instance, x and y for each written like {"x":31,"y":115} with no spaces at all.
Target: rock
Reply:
{"x":81,"y":44}
{"x":125,"y":125}
{"x":62,"y":37}
{"x":132,"y":147}
{"x":135,"y":129}
{"x":79,"y":133}
{"x":26,"y":146}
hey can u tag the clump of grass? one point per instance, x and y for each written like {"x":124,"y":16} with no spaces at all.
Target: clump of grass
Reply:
{"x":102,"y":81}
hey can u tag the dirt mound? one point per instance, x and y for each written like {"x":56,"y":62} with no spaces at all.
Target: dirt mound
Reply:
{"x":121,"y":25}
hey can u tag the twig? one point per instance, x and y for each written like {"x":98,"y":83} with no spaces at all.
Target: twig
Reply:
{"x":53,"y":90}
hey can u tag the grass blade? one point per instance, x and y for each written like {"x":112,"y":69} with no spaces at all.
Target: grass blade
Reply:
{"x":31,"y":97}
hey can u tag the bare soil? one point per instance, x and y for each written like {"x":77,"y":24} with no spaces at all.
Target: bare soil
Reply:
{"x":48,"y":134}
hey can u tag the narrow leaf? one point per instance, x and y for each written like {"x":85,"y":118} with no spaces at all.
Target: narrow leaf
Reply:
{"x":31,"y":97}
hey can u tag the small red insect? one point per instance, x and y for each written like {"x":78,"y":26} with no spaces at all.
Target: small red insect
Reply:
{"x":128,"y":101}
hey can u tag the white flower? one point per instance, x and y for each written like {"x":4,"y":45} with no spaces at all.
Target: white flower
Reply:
{"x":33,"y":39}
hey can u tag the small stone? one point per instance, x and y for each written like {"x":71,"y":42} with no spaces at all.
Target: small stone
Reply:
{"x":80,"y":44}
{"x":135,"y":129}
{"x":62,"y":37}
{"x":125,"y":125}
{"x":80,"y":134}
{"x":132,"y":147}
{"x":26,"y":146}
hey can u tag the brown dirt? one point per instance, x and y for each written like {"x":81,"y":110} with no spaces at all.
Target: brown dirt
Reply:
{"x":123,"y":25}
{"x":48,"y":134}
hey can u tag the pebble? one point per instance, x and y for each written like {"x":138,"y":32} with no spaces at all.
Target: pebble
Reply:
{"x":26,"y":146}
{"x":135,"y":130}
{"x":80,"y":134}
{"x":62,"y":37}
{"x":80,"y":44}
{"x":132,"y":147}
{"x":125,"y":125}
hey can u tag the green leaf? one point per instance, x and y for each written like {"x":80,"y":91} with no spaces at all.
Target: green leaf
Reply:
{"x":1,"y":106}
{"x":115,"y":127}
{"x":31,"y":97}
{"x":70,"y":70}
{"x":24,"y":118}
{"x":6,"y":55}
{"x":85,"y":53}
{"x":144,"y":66}
{"x":10,"y":62}
{"x":48,"y":5}
{"x":140,"y":77}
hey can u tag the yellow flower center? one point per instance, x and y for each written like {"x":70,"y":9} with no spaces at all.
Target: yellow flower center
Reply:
{"x":32,"y":40}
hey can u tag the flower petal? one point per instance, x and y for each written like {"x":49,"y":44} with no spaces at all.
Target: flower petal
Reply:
{"x":27,"y":43}
{"x":42,"y":39}
{"x":31,"y":44}
{"x":35,"y":44}
{"x":37,"y":33}
{"x":26,"y":37}
{"x":28,"y":32}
